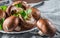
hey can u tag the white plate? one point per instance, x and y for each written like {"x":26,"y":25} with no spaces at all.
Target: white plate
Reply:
{"x":1,"y":31}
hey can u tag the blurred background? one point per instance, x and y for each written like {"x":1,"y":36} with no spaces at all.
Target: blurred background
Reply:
{"x":29,"y":1}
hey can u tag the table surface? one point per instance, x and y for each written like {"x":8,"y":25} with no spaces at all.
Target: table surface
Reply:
{"x":50,"y":10}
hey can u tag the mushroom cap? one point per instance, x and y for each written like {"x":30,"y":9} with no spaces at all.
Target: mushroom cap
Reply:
{"x":8,"y":10}
{"x":28,"y":24}
{"x":36,"y":13}
{"x":2,"y":14}
{"x":24,"y":4}
{"x":46,"y":27}
{"x":10,"y":23}
{"x":12,"y":10}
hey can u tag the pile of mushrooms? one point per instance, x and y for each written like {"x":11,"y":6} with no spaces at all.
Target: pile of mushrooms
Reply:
{"x":18,"y":23}
{"x":14,"y":21}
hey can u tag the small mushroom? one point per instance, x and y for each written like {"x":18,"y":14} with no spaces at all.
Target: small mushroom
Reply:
{"x":12,"y":10}
{"x":36,"y":13}
{"x":46,"y":27}
{"x":28,"y":24}
{"x":10,"y":23}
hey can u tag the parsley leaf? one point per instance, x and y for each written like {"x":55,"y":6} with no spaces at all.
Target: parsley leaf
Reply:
{"x":18,"y":5}
{"x":28,"y":11}
{"x":24,"y":13}
{"x":3,"y":8}
{"x":1,"y":23}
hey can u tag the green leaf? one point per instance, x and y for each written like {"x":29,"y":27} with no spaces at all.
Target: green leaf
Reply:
{"x":1,"y":23}
{"x":15,"y":14}
{"x":3,"y":8}
{"x":28,"y":11}
{"x":23,"y":14}
{"x":0,"y":27}
{"x":26,"y":17}
{"x":18,"y":5}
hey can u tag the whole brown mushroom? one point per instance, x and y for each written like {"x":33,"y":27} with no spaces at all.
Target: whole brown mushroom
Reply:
{"x":27,"y":24}
{"x":10,"y":23}
{"x":46,"y":27}
{"x":12,"y":10}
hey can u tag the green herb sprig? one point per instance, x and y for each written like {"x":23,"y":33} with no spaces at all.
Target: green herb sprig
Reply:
{"x":18,"y":5}
{"x":3,"y":7}
{"x":24,"y":13}
{"x":1,"y":23}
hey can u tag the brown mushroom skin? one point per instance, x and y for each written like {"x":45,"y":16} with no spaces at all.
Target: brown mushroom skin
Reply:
{"x":24,"y":4}
{"x":17,"y":29}
{"x":26,"y":26}
{"x":2,"y":14}
{"x":8,"y":10}
{"x":10,"y":23}
{"x":46,"y":27}
{"x":12,"y":10}
{"x":35,"y":13}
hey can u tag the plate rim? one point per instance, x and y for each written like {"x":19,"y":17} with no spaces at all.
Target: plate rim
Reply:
{"x":1,"y":31}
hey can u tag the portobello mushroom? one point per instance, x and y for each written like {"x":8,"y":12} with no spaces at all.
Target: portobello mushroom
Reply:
{"x":46,"y":27}
{"x":10,"y":23}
